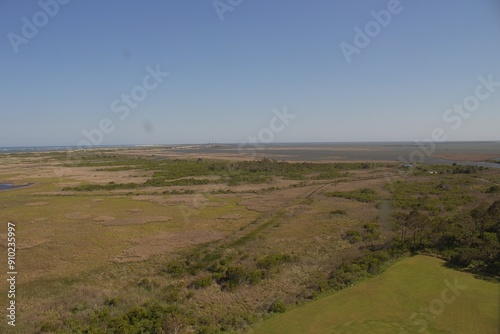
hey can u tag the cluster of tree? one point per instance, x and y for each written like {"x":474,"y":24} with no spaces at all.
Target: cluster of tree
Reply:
{"x":468,"y":240}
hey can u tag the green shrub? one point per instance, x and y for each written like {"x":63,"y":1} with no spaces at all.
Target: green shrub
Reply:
{"x":201,"y":282}
{"x":232,"y":278}
{"x":254,"y":277}
{"x":147,"y":284}
{"x":277,"y":307}
{"x":47,"y":327}
{"x":176,"y":269}
{"x":112,"y":301}
{"x":353,"y":236}
{"x":273,"y":260}
{"x":363,"y":195}
{"x":109,"y":186}
{"x":493,"y":189}
{"x":170,"y":294}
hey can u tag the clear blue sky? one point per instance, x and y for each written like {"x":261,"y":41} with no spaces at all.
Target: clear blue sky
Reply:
{"x":226,"y":77}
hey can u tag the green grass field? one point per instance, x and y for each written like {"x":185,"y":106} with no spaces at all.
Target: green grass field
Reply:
{"x":412,"y":296}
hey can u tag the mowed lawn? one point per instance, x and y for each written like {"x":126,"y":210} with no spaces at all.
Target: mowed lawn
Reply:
{"x":412,"y":296}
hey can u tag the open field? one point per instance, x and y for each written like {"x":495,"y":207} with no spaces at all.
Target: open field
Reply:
{"x":210,"y":245}
{"x":412,"y":296}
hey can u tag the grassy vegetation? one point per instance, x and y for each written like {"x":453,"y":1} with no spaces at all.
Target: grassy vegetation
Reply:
{"x":362,"y":195}
{"x":401,"y":300}
{"x":139,"y":244}
{"x":171,"y":172}
{"x":442,"y":194}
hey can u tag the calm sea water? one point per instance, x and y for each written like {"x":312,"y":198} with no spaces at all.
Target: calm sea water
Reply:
{"x":374,"y":151}
{"x":28,"y":149}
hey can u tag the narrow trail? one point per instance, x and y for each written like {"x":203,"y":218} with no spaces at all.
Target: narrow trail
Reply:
{"x":266,"y":220}
{"x":481,"y":179}
{"x":388,"y":177}
{"x":318,"y":189}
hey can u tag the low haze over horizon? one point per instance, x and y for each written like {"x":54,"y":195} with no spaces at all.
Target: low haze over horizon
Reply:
{"x":113,"y":73}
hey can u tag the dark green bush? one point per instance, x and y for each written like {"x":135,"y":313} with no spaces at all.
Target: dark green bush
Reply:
{"x":274,"y":260}
{"x":201,"y":282}
{"x":170,"y":294}
{"x":277,"y":307}
{"x":176,"y":269}
{"x":353,"y":236}
{"x":362,"y":195}
{"x":147,"y":284}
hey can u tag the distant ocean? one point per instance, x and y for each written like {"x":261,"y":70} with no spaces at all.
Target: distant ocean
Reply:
{"x":27,"y":149}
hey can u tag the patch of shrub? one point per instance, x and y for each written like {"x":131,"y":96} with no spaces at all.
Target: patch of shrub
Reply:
{"x":362,"y":195}
{"x":112,"y":301}
{"x":201,"y":282}
{"x":232,"y":278}
{"x":277,"y":307}
{"x":109,"y":186}
{"x":274,"y":260}
{"x":254,"y":277}
{"x":47,"y":327}
{"x":353,"y":236}
{"x":147,"y":284}
{"x":493,"y":189}
{"x":176,"y":269}
{"x":348,"y":273}
{"x":170,"y":294}
{"x":151,"y":318}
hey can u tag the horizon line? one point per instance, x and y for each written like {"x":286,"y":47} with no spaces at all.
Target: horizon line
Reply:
{"x":266,"y":144}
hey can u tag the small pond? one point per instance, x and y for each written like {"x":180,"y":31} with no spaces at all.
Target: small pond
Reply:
{"x":7,"y":186}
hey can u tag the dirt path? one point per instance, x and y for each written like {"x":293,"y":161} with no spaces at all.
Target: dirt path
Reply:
{"x":315,"y":191}
{"x":481,"y":179}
